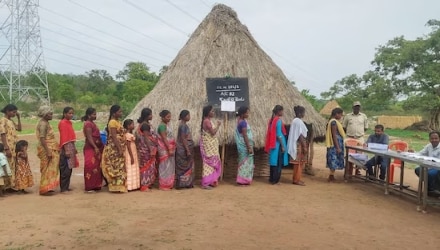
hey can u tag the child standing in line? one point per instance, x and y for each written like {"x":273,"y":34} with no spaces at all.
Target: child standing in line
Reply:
{"x":23,"y":173}
{"x":131,"y":157}
{"x":5,"y":170}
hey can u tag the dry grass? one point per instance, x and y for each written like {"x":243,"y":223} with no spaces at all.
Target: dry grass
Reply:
{"x":221,"y":45}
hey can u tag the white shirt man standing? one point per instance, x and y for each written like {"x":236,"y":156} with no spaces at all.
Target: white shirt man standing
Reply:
{"x":355,"y":124}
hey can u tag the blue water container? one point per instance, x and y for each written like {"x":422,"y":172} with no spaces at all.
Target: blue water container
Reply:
{"x":103,"y":134}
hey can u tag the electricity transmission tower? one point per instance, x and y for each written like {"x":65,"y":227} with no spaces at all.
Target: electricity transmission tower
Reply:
{"x":21,"y":53}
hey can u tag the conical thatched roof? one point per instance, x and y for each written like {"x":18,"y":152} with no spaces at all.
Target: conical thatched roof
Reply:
{"x":221,"y":45}
{"x":328,"y":107}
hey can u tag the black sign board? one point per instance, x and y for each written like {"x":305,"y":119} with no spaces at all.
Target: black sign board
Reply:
{"x":228,"y":89}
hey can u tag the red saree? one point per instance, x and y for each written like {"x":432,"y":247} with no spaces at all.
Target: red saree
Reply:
{"x":92,"y":160}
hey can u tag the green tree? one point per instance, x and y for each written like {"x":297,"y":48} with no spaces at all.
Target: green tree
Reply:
{"x":372,"y":90}
{"x":137,"y":81}
{"x":412,"y":69}
{"x":135,"y":89}
{"x":137,"y":70}
{"x":316,"y":103}
{"x":98,"y":80}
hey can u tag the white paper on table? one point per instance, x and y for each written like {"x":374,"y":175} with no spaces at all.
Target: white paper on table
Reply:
{"x":228,"y":106}
{"x":359,"y":156}
{"x":421,"y":157}
{"x":378,"y":146}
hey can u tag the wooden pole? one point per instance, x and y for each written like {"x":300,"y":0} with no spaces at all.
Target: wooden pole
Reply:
{"x":225,"y":125}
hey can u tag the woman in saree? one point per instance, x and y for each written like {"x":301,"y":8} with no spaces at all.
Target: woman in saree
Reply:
{"x":8,"y":133}
{"x":334,"y":141}
{"x":113,"y":158}
{"x":68,"y":157}
{"x":48,"y":152}
{"x":276,"y":144}
{"x":245,"y":147}
{"x":147,"y":146}
{"x":184,"y":153}
{"x":92,"y":152}
{"x":146,"y":143}
{"x":209,"y":149}
{"x":166,"y":149}
{"x":297,"y":144}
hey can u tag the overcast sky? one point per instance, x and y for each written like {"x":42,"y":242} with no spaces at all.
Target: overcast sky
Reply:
{"x":315,"y":42}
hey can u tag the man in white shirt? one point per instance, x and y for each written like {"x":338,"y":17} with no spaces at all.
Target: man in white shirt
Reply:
{"x":355,"y":124}
{"x":431,"y":150}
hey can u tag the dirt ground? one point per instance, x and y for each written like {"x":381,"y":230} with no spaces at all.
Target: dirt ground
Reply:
{"x":321,"y":215}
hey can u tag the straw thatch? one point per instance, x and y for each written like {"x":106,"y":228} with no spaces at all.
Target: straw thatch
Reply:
{"x":328,"y":107}
{"x":222,"y":46}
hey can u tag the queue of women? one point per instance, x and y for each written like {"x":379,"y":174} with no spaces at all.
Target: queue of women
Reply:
{"x":136,"y":154}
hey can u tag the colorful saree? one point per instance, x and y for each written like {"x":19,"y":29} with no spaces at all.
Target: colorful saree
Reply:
{"x":184,"y":162}
{"x":23,"y":173}
{"x":212,"y":166}
{"x":147,"y":149}
{"x":167,"y":166}
{"x":8,"y":128}
{"x":133,"y":181}
{"x":92,"y":160}
{"x":113,"y":164}
{"x":245,"y":160}
{"x":49,"y":167}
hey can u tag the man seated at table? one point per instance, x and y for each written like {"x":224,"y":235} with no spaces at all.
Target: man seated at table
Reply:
{"x":431,"y":150}
{"x":378,"y":137}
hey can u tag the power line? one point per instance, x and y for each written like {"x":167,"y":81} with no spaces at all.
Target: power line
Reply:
{"x":68,"y":63}
{"x":88,"y":52}
{"x":103,"y":41}
{"x":79,"y":58}
{"x":156,"y":17}
{"x":100,"y":31}
{"x":290,"y":62}
{"x":204,"y":3}
{"x":73,"y":38}
{"x":123,"y":25}
{"x":183,"y":11}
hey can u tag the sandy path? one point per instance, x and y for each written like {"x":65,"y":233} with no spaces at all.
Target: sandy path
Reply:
{"x":321,"y":215}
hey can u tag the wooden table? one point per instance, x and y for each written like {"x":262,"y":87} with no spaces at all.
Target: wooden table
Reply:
{"x":422,"y":191}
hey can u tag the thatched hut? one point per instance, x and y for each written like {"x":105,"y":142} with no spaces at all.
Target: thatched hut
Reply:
{"x":328,"y":107}
{"x":222,"y":46}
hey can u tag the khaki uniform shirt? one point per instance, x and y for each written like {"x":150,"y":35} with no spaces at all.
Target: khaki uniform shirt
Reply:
{"x":355,"y":125}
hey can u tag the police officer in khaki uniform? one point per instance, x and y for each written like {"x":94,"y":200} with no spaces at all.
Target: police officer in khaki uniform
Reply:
{"x":355,"y":124}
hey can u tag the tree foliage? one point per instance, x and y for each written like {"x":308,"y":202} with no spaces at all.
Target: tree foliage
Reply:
{"x":316,"y":103}
{"x":413,"y":69}
{"x":407,"y":70}
{"x":97,"y":87}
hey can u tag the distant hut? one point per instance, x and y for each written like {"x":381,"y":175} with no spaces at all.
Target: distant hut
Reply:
{"x":221,"y":45}
{"x":328,"y":107}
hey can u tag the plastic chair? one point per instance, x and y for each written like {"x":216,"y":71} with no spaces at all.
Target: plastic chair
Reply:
{"x":396,"y":146}
{"x":352,"y":142}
